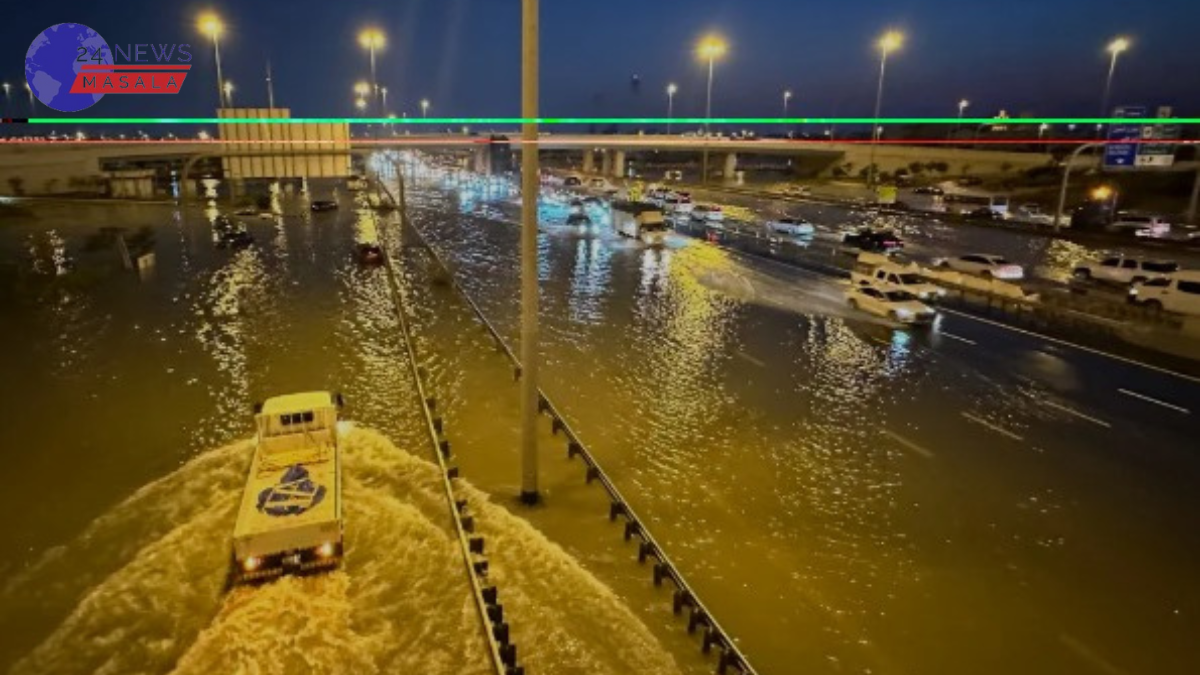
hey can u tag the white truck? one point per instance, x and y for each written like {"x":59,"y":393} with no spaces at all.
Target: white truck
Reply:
{"x":879,"y":271}
{"x":290,"y":518}
{"x":641,"y":221}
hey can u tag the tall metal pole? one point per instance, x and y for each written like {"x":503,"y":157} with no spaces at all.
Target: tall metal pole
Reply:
{"x":1112,"y":68}
{"x":374,"y":82}
{"x":1062,"y":190}
{"x":270,"y":88}
{"x":220,"y":79}
{"x":670,"y":107}
{"x":707,"y":117}
{"x":875,"y":124}
{"x":529,"y":252}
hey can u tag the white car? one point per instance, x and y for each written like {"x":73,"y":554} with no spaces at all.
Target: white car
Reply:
{"x":1140,"y":225}
{"x":896,"y":305}
{"x":678,"y":202}
{"x":1123,"y":270}
{"x":983,"y":264}
{"x":792,"y":227}
{"x":1032,"y":213}
{"x":890,"y":276}
{"x":707,"y":212}
{"x":598,"y":184}
{"x":1179,"y":293}
{"x":798,"y":191}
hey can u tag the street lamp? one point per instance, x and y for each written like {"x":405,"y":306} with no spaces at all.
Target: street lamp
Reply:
{"x":424,"y":107}
{"x":383,"y":94}
{"x":229,"y":94}
{"x":889,"y":43}
{"x":7,"y":97}
{"x":30,"y":92}
{"x":787,"y":96}
{"x":372,"y":39}
{"x":1115,"y":48}
{"x":360,"y":103}
{"x":962,"y":106}
{"x":210,"y":24}
{"x":710,"y":48}
{"x":671,"y":89}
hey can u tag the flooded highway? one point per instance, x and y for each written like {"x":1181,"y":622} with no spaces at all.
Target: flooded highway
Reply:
{"x":846,"y":497}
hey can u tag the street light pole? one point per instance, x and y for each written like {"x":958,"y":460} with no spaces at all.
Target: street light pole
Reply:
{"x":671,"y":89}
{"x":424,"y":107}
{"x":270,"y":88}
{"x":229,"y":94}
{"x":710,"y":48}
{"x":372,"y":39}
{"x":891,"y":40}
{"x":383,"y":93}
{"x":529,"y":252}
{"x":211,"y":24}
{"x":962,"y":106}
{"x":1115,"y":48}
{"x":1062,"y":190}
{"x":787,"y":96}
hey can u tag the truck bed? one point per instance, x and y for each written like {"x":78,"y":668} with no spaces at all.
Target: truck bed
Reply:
{"x":290,"y":507}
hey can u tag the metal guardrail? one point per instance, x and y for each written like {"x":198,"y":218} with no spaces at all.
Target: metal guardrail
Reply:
{"x":502,"y":651}
{"x":683,"y":597}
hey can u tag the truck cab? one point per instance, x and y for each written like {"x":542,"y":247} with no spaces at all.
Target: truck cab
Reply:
{"x":290,"y":518}
{"x":890,"y":276}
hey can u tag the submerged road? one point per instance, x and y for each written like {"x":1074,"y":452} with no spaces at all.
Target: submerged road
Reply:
{"x":848,"y":496}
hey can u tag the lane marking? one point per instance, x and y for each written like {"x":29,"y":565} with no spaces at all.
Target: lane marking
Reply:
{"x":908,"y":444}
{"x":885,"y":343}
{"x":1067,"y":343}
{"x":1076,"y":413}
{"x":749,"y":358}
{"x":1090,"y":656}
{"x":1156,"y":401}
{"x":952,"y":336}
{"x":993,"y":427}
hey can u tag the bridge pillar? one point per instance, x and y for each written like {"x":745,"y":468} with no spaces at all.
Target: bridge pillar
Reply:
{"x":482,"y":160}
{"x":606,"y":162}
{"x":589,"y":161}
{"x":729,"y":172}
{"x":618,"y":168}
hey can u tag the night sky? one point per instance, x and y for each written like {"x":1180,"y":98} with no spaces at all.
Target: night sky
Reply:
{"x":1044,"y":57}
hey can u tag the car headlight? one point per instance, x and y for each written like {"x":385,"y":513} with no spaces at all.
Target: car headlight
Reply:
{"x":326,"y":550}
{"x":251,"y":563}
{"x":904,"y":313}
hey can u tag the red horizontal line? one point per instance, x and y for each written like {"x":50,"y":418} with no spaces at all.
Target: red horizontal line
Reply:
{"x":130,"y":66}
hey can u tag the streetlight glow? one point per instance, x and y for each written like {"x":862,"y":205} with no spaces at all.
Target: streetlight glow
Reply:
{"x":424,"y":107}
{"x":360,"y":103}
{"x":210,"y":24}
{"x":711,"y":47}
{"x":891,"y":41}
{"x":1118,"y":45}
{"x":671,"y":89}
{"x":228,"y":89}
{"x":362,"y":88}
{"x":371,"y":38}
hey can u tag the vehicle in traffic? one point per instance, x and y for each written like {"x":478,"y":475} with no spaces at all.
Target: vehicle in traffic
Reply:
{"x":1141,"y":225}
{"x":983,"y":264}
{"x":791,"y":227}
{"x":896,"y":305}
{"x":931,"y":190}
{"x":970,"y":181}
{"x":1123,"y":270}
{"x":1031,"y":213}
{"x":922,"y":199}
{"x":963,"y":204}
{"x":572,"y":181}
{"x":673,"y":175}
{"x":874,"y":241}
{"x":707,"y":213}
{"x":984,"y":213}
{"x":798,"y":191}
{"x":890,"y":276}
{"x":678,"y":202}
{"x":368,"y":254}
{"x":640,"y":220}
{"x":324,"y":205}
{"x":1178,"y":293}
{"x":290,"y":516}
{"x":596,"y":183}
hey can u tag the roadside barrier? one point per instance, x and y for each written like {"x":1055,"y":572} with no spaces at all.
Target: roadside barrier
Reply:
{"x":713,"y":637}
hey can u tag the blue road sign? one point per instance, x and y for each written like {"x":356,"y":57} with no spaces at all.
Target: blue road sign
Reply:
{"x":1123,"y":155}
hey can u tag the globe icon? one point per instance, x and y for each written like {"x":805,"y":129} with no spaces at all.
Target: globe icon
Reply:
{"x":54,"y":58}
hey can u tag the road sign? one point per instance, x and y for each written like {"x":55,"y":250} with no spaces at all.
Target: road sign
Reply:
{"x":1123,"y":155}
{"x":1157,"y":155}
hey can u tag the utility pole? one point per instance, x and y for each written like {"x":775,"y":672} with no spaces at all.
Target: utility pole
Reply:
{"x":1062,"y":191}
{"x":529,"y":252}
{"x":270,"y":88}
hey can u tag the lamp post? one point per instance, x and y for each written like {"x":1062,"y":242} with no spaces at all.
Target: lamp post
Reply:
{"x":1115,"y":48}
{"x":962,"y":107}
{"x":530,"y":175}
{"x":710,"y":48}
{"x":424,"y":107}
{"x":383,"y":94}
{"x":787,"y":97}
{"x":671,"y":89}
{"x":372,"y":39}
{"x":210,"y":25}
{"x":7,"y":96}
{"x":228,"y":89}
{"x":890,"y":42}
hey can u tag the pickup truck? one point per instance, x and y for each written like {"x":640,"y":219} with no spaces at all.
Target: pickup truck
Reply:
{"x":890,"y":276}
{"x":290,"y":517}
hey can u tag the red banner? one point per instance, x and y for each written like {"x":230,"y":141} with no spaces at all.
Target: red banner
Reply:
{"x":120,"y":82}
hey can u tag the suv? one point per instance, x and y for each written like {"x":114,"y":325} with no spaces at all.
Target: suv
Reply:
{"x":1179,"y":293}
{"x":1123,"y":270}
{"x":1140,"y":225}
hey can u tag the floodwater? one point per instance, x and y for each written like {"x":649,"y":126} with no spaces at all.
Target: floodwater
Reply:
{"x":845,"y":496}
{"x":126,"y":443}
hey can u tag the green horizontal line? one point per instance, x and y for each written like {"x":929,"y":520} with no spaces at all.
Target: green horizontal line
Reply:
{"x":614,"y":120}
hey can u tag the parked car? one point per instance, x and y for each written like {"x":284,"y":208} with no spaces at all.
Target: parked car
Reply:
{"x":324,"y":205}
{"x":983,"y":264}
{"x":792,"y":227}
{"x":875,"y":241}
{"x":1122,"y":270}
{"x":1141,"y":225}
{"x":1179,"y":293}
{"x":896,"y":305}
